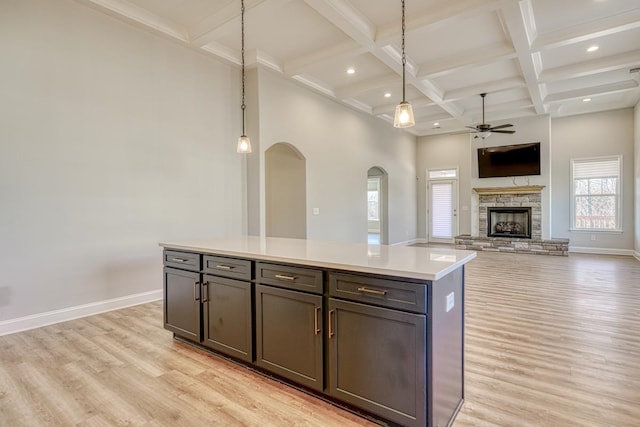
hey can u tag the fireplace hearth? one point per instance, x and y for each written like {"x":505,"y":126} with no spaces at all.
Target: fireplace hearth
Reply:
{"x":509,"y":222}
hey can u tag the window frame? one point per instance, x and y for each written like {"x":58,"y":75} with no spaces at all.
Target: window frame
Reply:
{"x":618,"y":194}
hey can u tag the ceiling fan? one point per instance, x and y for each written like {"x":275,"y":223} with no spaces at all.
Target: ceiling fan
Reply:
{"x":484,"y":129}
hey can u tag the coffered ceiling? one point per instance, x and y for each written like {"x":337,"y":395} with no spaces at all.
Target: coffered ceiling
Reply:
{"x":530,"y":56}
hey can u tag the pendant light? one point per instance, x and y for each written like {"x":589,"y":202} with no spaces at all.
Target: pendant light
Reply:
{"x":244,"y":144}
{"x":404,"y":111}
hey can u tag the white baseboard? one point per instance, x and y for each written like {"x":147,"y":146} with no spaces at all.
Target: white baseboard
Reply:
{"x":636,"y":255}
{"x":601,"y":251}
{"x":56,"y":316}
{"x":409,"y":242}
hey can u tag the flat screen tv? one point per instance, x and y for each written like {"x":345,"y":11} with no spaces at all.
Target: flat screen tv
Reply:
{"x":509,"y":160}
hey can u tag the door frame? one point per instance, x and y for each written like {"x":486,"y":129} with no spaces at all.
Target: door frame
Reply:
{"x":454,"y":203}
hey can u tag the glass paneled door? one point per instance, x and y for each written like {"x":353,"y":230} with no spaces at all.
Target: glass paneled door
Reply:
{"x":443,"y":211}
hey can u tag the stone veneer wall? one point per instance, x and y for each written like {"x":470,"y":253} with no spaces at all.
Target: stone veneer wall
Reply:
{"x":532,"y":200}
{"x":521,"y":246}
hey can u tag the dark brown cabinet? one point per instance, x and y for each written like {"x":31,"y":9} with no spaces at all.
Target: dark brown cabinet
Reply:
{"x":387,"y":345}
{"x":206,"y":308}
{"x":289,"y":332}
{"x":227,"y":314}
{"x":182,"y":315}
{"x":377,"y":360}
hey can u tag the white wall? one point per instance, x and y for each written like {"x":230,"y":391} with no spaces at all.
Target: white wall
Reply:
{"x":111,"y":140}
{"x":592,"y":135}
{"x":340,"y":146}
{"x":445,"y":151}
{"x":636,"y":180}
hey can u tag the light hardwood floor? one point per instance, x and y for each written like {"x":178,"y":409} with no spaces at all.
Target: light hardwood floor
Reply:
{"x":549,"y":342}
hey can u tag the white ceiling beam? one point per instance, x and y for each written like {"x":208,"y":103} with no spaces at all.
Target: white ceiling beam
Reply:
{"x":390,"y":108}
{"x":346,"y":49}
{"x":487,"y":87}
{"x":588,"y":31}
{"x":215,"y":25}
{"x":518,"y":19}
{"x":137,"y":15}
{"x":352,"y":90}
{"x":314,"y":84}
{"x":495,"y":109}
{"x":437,"y":16}
{"x":465,"y":60}
{"x":591,"y":91}
{"x":594,"y":66}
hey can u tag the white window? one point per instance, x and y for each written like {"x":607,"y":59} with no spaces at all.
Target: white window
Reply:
{"x":373,"y":199}
{"x":596,"y":193}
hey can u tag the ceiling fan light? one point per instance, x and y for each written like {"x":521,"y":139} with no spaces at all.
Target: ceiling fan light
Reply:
{"x":404,"y":115}
{"x":484,"y":134}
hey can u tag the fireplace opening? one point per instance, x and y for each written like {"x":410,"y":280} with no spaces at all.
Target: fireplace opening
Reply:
{"x":509,"y":222}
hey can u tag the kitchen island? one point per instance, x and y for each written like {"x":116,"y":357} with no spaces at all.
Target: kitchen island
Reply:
{"x":376,"y":328}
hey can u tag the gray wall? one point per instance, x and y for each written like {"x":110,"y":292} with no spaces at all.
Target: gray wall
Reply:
{"x":340,"y":145}
{"x":438,"y":152}
{"x":592,"y":135}
{"x":111,"y":140}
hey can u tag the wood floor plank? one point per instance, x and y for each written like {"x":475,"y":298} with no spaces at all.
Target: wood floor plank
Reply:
{"x":550,"y":341}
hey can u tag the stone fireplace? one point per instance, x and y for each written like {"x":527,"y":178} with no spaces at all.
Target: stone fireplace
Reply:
{"x":509,"y":222}
{"x":509,"y":219}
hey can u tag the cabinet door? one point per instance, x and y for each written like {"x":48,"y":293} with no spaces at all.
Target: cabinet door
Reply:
{"x":227,"y":316}
{"x":377,"y":360}
{"x":289,"y":334}
{"x":182,"y":303}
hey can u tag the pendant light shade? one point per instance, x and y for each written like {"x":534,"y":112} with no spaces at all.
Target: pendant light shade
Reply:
{"x":404,"y":115}
{"x":244,"y":143}
{"x":404,"y":111}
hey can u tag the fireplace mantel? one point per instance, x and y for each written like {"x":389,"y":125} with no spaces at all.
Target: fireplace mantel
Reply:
{"x":523,"y":189}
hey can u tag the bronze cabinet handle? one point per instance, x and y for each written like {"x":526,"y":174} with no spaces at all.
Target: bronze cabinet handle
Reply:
{"x":371,"y":291}
{"x":179,"y":259}
{"x":331,"y":333}
{"x":195,"y":291}
{"x":224,"y":267}
{"x":317,"y":328}
{"x":205,"y":292}
{"x":285,"y":277}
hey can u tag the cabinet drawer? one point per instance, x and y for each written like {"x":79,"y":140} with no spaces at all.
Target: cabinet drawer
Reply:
{"x":183,"y":260}
{"x":383,"y":292}
{"x":284,"y":276}
{"x":233,"y":268}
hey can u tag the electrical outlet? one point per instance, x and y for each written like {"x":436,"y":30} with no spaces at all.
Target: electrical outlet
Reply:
{"x":593,"y":237}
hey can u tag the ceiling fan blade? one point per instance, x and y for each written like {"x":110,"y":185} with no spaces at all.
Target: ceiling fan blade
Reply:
{"x":501,"y":126}
{"x":472,"y":127}
{"x":503,"y":131}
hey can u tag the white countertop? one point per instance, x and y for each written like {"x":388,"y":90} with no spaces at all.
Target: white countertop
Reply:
{"x":401,"y":261}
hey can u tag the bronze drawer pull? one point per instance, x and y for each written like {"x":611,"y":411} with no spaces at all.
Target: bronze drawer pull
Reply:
{"x":205,"y":292}
{"x":372,"y":291}
{"x":331,"y":333}
{"x":196,"y":285}
{"x":224,"y":267}
{"x":179,"y":259}
{"x":317,"y":329}
{"x":285,"y":277}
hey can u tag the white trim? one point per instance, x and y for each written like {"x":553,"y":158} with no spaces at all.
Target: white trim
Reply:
{"x":408,"y":242}
{"x":601,"y":251}
{"x":636,"y":255}
{"x":56,"y":316}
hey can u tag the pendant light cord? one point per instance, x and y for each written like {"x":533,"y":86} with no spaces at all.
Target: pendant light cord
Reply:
{"x":404,"y":58}
{"x":243,"y":106}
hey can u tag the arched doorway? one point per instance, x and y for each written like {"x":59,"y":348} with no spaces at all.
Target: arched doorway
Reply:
{"x":285,"y":192}
{"x":377,"y":206}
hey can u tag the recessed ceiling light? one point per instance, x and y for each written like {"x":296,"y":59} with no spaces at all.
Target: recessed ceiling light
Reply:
{"x":593,"y":48}
{"x":436,"y":124}
{"x":586,"y":100}
{"x":387,"y":95}
{"x":351,"y":70}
